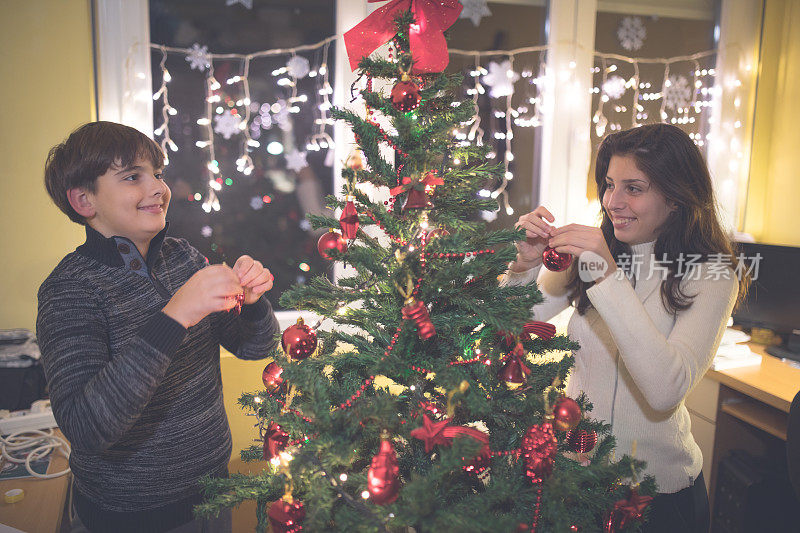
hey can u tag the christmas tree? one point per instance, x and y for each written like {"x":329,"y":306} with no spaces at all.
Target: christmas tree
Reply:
{"x":436,"y":402}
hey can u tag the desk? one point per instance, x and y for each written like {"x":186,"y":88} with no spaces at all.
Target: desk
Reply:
{"x":743,"y":408}
{"x":41,"y":509}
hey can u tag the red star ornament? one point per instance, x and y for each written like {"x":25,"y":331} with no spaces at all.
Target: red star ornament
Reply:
{"x":431,"y":432}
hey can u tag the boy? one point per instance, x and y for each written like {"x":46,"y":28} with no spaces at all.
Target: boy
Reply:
{"x":129,"y":326}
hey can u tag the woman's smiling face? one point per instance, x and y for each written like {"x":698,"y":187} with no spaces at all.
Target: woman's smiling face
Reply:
{"x":636,"y":208}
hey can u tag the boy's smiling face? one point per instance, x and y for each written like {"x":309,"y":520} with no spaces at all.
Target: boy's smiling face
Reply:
{"x":130,"y":202}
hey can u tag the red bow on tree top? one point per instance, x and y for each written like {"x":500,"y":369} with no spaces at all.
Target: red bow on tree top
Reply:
{"x":428,"y":47}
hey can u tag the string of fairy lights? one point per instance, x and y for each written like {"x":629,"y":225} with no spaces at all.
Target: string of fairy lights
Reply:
{"x":678,"y":89}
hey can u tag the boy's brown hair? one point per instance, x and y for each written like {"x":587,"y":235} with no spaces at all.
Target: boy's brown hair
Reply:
{"x":88,"y":153}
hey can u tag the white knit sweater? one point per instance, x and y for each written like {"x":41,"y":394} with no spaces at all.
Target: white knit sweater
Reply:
{"x":637,"y":363}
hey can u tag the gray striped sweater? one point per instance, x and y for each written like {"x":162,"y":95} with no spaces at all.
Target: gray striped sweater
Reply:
{"x":138,"y":396}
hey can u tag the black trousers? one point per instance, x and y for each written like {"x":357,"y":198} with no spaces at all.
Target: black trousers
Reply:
{"x":685,"y":511}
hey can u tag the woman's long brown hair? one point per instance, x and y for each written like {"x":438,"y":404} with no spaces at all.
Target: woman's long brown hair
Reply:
{"x":675,"y":167}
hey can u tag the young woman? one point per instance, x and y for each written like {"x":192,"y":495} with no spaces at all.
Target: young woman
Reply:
{"x":650,"y":322}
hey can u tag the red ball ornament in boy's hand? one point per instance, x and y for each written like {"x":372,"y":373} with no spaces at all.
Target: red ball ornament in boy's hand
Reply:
{"x":331,"y":241}
{"x":555,"y":261}
{"x":567,"y":413}
{"x":272,"y":378}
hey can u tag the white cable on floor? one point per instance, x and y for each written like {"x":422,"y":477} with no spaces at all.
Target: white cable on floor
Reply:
{"x":41,"y":442}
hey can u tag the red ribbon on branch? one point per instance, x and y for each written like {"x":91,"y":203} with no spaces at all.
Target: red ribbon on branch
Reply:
{"x":416,"y":183}
{"x":428,"y":46}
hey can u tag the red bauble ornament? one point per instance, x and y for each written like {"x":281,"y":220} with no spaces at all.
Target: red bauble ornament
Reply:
{"x":555,"y":261}
{"x":567,"y":413}
{"x":417,"y":311}
{"x":515,"y":371}
{"x":538,"y":451}
{"x":299,"y":341}
{"x":286,"y":516}
{"x":405,"y":95}
{"x":349,"y":220}
{"x":272,"y":378}
{"x":627,"y":511}
{"x":275,"y":440}
{"x":581,"y":441}
{"x":382,"y":477}
{"x":236,"y":309}
{"x":331,"y":241}
{"x":417,"y":200}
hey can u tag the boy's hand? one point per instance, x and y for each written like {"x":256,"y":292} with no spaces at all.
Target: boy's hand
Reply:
{"x":253,"y":277}
{"x":209,"y":290}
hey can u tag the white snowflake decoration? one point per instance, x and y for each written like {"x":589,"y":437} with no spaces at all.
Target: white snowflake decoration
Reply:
{"x":614,"y":87}
{"x":677,"y":93}
{"x":246,"y":3}
{"x":305,"y":225}
{"x":501,"y":79}
{"x":631,"y":33}
{"x":227,"y":124}
{"x":256,"y":202}
{"x":296,"y":160}
{"x":474,"y":10}
{"x":297,"y":67}
{"x":198,"y":57}
{"x":206,"y":231}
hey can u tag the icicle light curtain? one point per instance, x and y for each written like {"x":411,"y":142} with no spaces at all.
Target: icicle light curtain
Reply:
{"x":627,"y":91}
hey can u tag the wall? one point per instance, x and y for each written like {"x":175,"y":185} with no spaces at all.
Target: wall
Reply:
{"x":47,"y":90}
{"x":774,"y":186}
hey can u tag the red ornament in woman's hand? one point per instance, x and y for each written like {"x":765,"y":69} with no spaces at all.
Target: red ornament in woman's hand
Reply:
{"x":555,"y":261}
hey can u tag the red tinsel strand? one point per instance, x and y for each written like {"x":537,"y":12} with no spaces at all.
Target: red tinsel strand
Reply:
{"x":537,"y":510}
{"x":470,"y":282}
{"x":505,"y":453}
{"x":369,"y":380}
{"x":398,"y":240}
{"x":386,"y":138}
{"x":293,"y":411}
{"x":369,"y":89}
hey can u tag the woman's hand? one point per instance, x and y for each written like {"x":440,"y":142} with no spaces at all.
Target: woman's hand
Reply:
{"x":537,"y":233}
{"x":579,"y":240}
{"x":253,"y":277}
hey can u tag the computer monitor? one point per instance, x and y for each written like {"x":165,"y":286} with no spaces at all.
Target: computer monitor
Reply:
{"x":773,"y":301}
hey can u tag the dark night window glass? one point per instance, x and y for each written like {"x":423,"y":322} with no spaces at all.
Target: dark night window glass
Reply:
{"x":262,"y":214}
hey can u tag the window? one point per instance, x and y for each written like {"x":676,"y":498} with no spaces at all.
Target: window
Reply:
{"x":505,"y":87}
{"x":261,"y":206}
{"x":627,"y":93}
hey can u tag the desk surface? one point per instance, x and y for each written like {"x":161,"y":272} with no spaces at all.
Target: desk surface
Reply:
{"x":773,"y":382}
{"x":40,"y":510}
